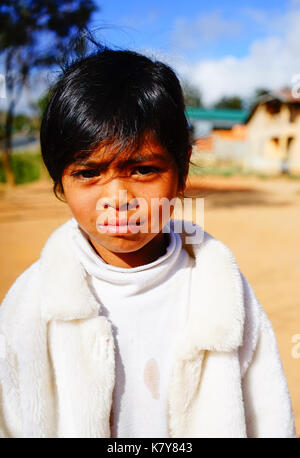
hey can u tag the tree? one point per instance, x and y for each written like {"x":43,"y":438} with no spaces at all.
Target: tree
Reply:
{"x":39,"y":106}
{"x":259,"y":92}
{"x":2,"y":122}
{"x":35,"y":34}
{"x":192,"y":95}
{"x":235,"y":103}
{"x":23,"y":124}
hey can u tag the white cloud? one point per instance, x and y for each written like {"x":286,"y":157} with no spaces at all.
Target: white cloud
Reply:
{"x":270,"y":62}
{"x":207,"y":28}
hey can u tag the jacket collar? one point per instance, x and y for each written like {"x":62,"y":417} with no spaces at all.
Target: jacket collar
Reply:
{"x":216,"y":318}
{"x":216,"y":315}
{"x":66,"y":294}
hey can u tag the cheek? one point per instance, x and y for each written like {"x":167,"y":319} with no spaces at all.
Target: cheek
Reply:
{"x":82,"y":204}
{"x":166,"y":187}
{"x":160,"y":199}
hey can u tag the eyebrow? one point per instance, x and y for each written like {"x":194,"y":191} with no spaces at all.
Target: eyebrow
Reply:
{"x":122,"y":163}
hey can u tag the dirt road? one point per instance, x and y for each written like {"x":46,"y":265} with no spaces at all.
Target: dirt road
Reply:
{"x":258,"y":219}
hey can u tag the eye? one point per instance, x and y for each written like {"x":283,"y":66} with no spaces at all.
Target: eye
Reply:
{"x":88,"y":173}
{"x":145,"y":170}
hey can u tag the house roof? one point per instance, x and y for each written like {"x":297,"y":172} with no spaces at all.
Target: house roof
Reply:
{"x":238,"y":116}
{"x":282,"y":95}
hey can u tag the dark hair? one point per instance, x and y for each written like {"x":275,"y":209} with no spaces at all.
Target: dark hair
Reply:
{"x":115,"y":97}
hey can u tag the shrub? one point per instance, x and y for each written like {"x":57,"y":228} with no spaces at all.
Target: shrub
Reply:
{"x":26,"y":167}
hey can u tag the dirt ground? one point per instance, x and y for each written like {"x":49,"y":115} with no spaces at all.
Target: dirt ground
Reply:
{"x":258,"y":219}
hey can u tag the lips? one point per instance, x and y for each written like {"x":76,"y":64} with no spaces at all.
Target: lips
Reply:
{"x":119,"y":226}
{"x":118,"y":222}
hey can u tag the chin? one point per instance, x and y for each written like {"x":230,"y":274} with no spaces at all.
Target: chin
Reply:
{"x":123,"y":244}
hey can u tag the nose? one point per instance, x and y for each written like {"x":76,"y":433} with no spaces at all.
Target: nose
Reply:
{"x":117,"y":194}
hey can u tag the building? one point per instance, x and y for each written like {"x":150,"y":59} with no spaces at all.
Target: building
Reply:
{"x":219,"y":135}
{"x":204,"y":120}
{"x":273,"y":134}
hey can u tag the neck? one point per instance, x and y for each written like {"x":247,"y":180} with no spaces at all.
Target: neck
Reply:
{"x":149,"y":253}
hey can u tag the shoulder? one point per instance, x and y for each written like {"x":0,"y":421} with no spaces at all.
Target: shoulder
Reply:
{"x":21,"y":303}
{"x":199,"y":243}
{"x":255,"y":318}
{"x":22,"y":283}
{"x":216,"y":262}
{"x":257,"y":326}
{"x":256,"y":321}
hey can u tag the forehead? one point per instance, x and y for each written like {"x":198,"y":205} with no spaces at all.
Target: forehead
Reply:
{"x":148,"y":150}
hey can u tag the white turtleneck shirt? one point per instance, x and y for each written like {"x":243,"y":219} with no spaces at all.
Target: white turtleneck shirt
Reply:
{"x":147,"y":307}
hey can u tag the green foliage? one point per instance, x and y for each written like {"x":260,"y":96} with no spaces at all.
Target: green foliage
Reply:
{"x":26,"y":167}
{"x":42,"y":103}
{"x":40,"y":106}
{"x":230,"y":103}
{"x":259,"y":92}
{"x":22,"y":25}
{"x":2,"y":173}
{"x":23,"y":123}
{"x":192,"y":95}
{"x":293,"y":176}
{"x":36,"y":35}
{"x":219,"y":171}
{"x":2,"y":125}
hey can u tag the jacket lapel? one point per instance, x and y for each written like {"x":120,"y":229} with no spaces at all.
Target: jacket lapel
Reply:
{"x":216,"y":318}
{"x":66,"y":292}
{"x":81,"y":344}
{"x":215,"y":323}
{"x":84,"y":365}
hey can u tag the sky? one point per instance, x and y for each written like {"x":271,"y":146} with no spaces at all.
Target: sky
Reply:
{"x":223,"y":48}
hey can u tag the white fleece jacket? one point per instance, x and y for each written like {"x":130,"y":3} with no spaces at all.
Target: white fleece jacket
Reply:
{"x":57,"y":355}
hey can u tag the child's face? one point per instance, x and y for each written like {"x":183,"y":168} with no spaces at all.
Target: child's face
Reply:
{"x":98,"y":195}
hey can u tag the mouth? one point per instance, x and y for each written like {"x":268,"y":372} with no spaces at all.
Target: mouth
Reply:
{"x":120,"y":226}
{"x":118,"y":222}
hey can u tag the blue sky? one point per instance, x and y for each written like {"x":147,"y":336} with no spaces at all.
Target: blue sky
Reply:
{"x":197,"y":29}
{"x":223,"y":48}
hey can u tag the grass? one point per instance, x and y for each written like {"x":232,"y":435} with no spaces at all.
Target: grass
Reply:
{"x":26,"y":167}
{"x":293,"y":177}
{"x":231,"y":170}
{"x":2,"y":174}
{"x":219,"y":171}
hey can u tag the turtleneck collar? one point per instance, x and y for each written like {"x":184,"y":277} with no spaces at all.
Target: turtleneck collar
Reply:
{"x":132,"y":280}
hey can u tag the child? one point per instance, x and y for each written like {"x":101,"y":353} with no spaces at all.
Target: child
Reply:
{"x":123,"y":327}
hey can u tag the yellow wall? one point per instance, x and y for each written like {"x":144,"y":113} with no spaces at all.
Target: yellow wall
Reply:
{"x":263,"y":152}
